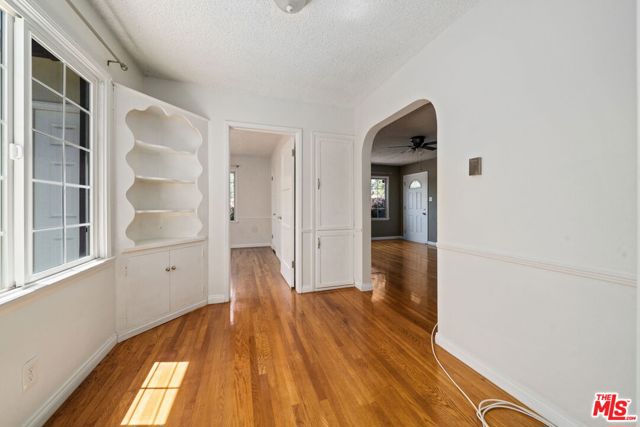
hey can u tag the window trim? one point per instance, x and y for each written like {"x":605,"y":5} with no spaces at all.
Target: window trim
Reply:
{"x":387,"y":179}
{"x":32,"y":22}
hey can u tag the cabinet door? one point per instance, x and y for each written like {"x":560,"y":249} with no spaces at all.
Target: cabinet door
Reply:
{"x":148,"y":293}
{"x":334,"y":182}
{"x":334,"y":259}
{"x":186,"y":277}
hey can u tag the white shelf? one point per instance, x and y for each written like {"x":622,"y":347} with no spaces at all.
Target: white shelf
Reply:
{"x":163,"y":180}
{"x":165,"y":211}
{"x":160,"y":148}
{"x":142,"y":245}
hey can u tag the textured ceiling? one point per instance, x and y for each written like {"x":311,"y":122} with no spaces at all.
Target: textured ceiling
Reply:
{"x":253,"y":143}
{"x":419,"y":122}
{"x":332,"y":52}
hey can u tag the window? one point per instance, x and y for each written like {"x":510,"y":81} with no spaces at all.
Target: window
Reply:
{"x":61,"y":162}
{"x":379,"y":198}
{"x":52,"y":204}
{"x":415,"y":184}
{"x":5,"y":20}
{"x":232,"y":196}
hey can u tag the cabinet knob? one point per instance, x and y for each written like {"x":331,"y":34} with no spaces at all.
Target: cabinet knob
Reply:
{"x":173,"y":267}
{"x":167,"y":269}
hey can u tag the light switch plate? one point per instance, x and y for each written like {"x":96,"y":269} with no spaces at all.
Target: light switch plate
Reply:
{"x":475,"y":166}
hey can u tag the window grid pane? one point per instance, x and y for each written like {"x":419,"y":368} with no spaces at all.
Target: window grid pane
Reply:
{"x":379,"y":198}
{"x":62,"y":195}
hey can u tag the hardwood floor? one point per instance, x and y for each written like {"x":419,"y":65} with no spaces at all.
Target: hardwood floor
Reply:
{"x":272,"y":357}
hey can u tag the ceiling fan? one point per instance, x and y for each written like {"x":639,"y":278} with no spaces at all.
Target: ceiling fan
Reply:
{"x":418,"y":143}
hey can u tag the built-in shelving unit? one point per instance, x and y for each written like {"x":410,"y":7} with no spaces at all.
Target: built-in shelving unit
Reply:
{"x":164,"y":193}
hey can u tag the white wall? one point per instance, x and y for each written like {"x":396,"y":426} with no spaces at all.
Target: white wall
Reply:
{"x":538,"y":255}
{"x":64,"y":326}
{"x":221,"y":106}
{"x":252,"y":226}
{"x":71,"y":323}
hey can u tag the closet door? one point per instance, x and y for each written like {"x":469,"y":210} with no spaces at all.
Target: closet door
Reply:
{"x":334,"y":182}
{"x":148,"y":282}
{"x":334,"y":211}
{"x":186,"y":277}
{"x":334,"y":259}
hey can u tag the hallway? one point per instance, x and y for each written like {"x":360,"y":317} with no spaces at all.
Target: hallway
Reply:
{"x":276,"y":358}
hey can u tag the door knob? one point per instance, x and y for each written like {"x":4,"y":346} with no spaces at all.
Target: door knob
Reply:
{"x":167,"y":269}
{"x":173,"y":267}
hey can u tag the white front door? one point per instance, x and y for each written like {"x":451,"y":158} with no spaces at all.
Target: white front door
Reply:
{"x":287,"y":223}
{"x":415,"y":204}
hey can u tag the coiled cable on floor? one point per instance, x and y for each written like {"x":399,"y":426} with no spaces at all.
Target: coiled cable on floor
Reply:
{"x":487,"y":405}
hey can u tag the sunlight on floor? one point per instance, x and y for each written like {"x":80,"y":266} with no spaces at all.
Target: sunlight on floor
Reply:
{"x":155,"y":398}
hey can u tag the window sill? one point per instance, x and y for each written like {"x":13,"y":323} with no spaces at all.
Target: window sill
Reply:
{"x":56,"y":279}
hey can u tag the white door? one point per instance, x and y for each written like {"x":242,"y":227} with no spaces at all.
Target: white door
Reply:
{"x":186,"y":277}
{"x":287,"y":204}
{"x":415,"y":204}
{"x":275,"y":206}
{"x":334,"y":258}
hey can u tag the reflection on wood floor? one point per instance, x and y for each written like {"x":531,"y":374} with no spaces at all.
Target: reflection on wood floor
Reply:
{"x":272,"y":357}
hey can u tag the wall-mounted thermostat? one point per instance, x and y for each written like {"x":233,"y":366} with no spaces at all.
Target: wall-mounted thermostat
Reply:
{"x":475,"y":166}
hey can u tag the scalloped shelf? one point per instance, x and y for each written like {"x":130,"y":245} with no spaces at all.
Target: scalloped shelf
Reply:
{"x":164,"y":194}
{"x":165,"y":211}
{"x":160,"y":148}
{"x":160,"y":179}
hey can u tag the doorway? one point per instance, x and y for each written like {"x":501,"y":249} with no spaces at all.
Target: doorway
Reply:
{"x":263,"y":194}
{"x":415,"y":207}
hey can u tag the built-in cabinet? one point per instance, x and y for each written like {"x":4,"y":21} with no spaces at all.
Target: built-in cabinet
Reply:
{"x":160,"y":211}
{"x":159,"y":285}
{"x":334,"y":211}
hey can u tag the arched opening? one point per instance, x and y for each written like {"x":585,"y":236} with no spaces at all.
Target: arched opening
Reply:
{"x":369,"y":200}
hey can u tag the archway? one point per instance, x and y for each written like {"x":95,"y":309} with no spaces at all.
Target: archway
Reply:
{"x":365,"y":211}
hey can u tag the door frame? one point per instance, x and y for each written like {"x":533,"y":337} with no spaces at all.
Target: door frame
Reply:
{"x":296,"y":133}
{"x":404,"y":233}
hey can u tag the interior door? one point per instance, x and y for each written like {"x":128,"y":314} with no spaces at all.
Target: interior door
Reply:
{"x":415,"y":207}
{"x":287,"y":203}
{"x":275,"y":206}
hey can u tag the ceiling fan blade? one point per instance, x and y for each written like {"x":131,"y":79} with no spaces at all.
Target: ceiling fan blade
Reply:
{"x":430,"y":143}
{"x":400,"y":146}
{"x":430,"y":148}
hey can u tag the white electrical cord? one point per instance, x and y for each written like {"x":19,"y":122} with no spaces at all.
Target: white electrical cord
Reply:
{"x":487,"y":405}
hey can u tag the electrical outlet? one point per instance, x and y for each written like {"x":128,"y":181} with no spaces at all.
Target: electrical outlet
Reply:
{"x":29,"y":373}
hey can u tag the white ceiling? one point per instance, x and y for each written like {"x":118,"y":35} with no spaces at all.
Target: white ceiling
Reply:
{"x":332,"y":52}
{"x":419,"y":122}
{"x":253,"y":143}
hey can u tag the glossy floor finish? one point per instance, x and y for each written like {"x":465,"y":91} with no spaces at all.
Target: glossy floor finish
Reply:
{"x":276,"y":358}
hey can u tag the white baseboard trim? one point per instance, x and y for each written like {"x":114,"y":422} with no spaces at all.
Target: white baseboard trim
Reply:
{"x":164,"y":319}
{"x":517,"y":390}
{"x":430,"y":243}
{"x":388,"y":238}
{"x":63,"y":393}
{"x":251,"y":245}
{"x":217,"y":299}
{"x":364,"y":287}
{"x":331,"y":288}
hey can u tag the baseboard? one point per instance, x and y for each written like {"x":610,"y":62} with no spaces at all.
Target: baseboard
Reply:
{"x":62,"y":394}
{"x":364,"y":287}
{"x":164,"y":319}
{"x":517,"y":390}
{"x":251,"y":245}
{"x":387,"y":238}
{"x":217,"y":299}
{"x":430,"y":243}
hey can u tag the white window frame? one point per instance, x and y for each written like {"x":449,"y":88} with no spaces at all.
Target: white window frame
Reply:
{"x":30,"y":22}
{"x":6,"y":274}
{"x":386,"y":196}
